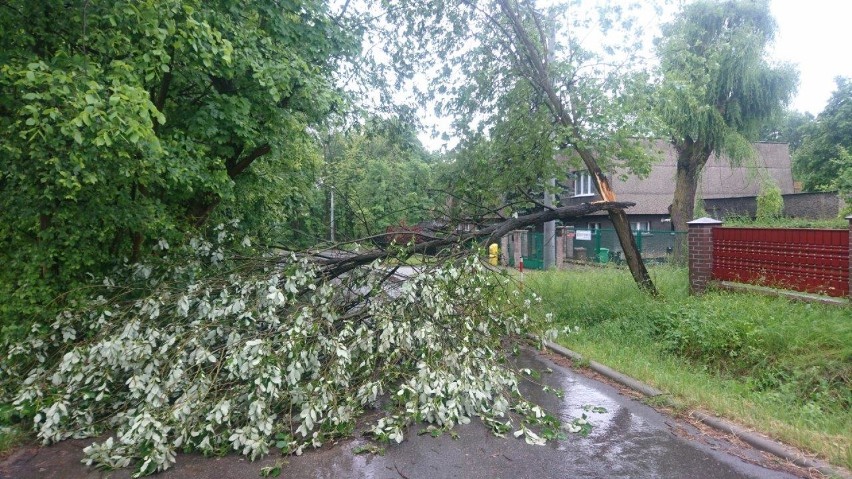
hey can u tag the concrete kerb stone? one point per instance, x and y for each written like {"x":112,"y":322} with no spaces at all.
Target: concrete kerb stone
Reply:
{"x":749,"y":437}
{"x":606,"y":371}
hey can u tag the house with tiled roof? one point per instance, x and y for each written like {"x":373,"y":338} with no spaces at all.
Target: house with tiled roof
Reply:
{"x":653,"y":194}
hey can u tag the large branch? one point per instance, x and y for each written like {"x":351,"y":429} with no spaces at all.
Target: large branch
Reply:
{"x":247,"y":160}
{"x":339,"y":265}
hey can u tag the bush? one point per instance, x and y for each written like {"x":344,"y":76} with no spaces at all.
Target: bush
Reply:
{"x":770,"y":203}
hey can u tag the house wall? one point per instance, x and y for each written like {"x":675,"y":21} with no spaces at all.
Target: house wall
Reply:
{"x":813,"y":205}
{"x":653,"y":194}
{"x":797,"y":205}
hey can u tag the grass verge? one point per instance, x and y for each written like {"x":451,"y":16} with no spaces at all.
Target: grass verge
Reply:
{"x":12,"y":432}
{"x":781,"y":367}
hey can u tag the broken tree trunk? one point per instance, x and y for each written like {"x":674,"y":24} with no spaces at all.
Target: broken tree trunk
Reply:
{"x":534,"y":64}
{"x":620,"y":223}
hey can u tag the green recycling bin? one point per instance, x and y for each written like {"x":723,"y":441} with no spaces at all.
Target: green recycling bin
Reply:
{"x":603,"y":255}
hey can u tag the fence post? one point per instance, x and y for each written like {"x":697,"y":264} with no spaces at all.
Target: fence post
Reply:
{"x":597,"y":233}
{"x":517,"y":253}
{"x":700,"y":242}
{"x":849,"y":218}
{"x":560,"y":247}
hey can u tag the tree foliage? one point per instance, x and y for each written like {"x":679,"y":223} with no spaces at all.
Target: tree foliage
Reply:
{"x":380,"y":175}
{"x":124,"y":122}
{"x":718,"y":88}
{"x":823,"y":162}
{"x":791,"y":127}
{"x":509,"y":75}
{"x":209,"y":350}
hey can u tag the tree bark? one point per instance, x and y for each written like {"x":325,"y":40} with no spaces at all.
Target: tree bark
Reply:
{"x":247,"y":160}
{"x":200,"y":209}
{"x":691,"y":158}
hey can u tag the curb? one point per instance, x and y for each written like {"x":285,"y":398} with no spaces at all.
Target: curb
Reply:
{"x":749,"y":437}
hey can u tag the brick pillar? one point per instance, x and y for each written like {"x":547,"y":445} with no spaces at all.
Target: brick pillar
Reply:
{"x":560,"y":247}
{"x":700,"y":241}
{"x":849,"y":218}
{"x":504,"y":250}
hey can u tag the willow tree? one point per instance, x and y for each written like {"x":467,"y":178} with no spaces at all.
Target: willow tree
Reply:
{"x":504,"y":63}
{"x":718,"y":87}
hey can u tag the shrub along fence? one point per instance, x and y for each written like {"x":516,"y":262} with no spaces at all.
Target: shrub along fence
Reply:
{"x":807,"y":260}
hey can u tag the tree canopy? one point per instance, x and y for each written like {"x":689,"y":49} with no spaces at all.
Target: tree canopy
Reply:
{"x":127,"y":122}
{"x":380,"y":175}
{"x":718,"y":87}
{"x":822,"y":162}
{"x":523,"y":78}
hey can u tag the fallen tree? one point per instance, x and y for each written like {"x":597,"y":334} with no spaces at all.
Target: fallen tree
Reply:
{"x":211,"y":349}
{"x":336,"y":265}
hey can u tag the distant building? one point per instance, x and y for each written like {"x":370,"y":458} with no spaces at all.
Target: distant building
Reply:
{"x":653,"y":195}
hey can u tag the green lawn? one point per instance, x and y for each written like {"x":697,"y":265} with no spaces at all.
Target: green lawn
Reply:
{"x":781,"y":367}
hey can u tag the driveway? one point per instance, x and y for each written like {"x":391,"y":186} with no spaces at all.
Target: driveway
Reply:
{"x":629,"y":440}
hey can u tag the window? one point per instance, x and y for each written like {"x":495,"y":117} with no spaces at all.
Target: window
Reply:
{"x":594,"y":226}
{"x":583,"y":185}
{"x":641,"y":226}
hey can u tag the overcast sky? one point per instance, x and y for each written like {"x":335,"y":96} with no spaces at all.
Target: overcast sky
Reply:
{"x":817,"y":36}
{"x":814,"y":35}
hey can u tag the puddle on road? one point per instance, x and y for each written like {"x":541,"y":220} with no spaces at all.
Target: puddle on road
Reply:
{"x":603,"y":411}
{"x":598,"y":408}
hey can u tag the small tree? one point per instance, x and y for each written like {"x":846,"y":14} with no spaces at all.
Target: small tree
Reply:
{"x":770,"y":203}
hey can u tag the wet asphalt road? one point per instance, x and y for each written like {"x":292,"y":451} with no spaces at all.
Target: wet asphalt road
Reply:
{"x":628,"y":440}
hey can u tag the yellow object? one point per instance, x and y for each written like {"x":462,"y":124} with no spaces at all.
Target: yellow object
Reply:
{"x":493,"y":250}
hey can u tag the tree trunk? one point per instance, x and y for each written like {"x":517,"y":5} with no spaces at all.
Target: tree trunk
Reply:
{"x":631,"y":250}
{"x":691,"y":158}
{"x":620,"y":224}
{"x":534,"y":65}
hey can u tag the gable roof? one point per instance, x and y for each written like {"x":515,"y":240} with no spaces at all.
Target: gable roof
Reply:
{"x":654,"y":194}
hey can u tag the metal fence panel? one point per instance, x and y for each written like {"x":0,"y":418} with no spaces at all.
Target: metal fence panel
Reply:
{"x":809,"y":260}
{"x":534,"y":251}
{"x":602,"y":245}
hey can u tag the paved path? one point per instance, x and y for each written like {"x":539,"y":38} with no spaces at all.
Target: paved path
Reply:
{"x":629,"y":440}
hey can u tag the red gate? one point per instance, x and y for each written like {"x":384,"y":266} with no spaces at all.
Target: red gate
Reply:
{"x":814,"y":261}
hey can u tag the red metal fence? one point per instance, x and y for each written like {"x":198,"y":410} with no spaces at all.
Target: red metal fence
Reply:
{"x":814,"y":261}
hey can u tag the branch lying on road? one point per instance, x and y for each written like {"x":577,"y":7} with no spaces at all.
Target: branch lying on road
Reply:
{"x":338,"y":265}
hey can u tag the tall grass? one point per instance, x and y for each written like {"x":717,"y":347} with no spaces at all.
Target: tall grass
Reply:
{"x":838,"y":223}
{"x":780,"y":366}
